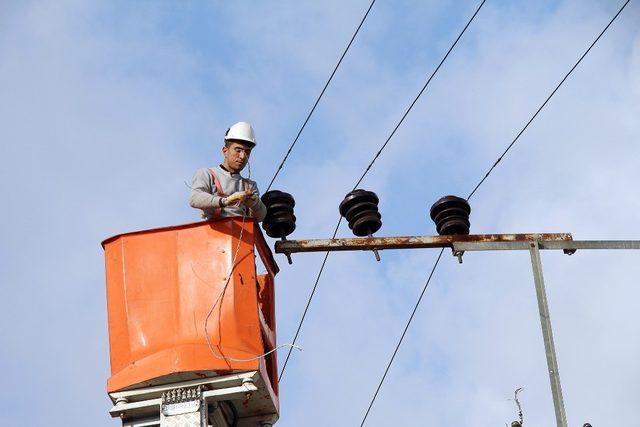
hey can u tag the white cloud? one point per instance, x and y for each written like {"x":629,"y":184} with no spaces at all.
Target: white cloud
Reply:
{"x":111,"y":108}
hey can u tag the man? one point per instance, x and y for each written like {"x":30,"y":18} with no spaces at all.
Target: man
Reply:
{"x":220,"y":191}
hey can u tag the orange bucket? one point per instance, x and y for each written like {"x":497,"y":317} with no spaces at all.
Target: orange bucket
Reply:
{"x":163,"y":284}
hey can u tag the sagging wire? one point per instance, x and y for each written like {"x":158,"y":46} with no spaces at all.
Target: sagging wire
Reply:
{"x":286,"y":156}
{"x":406,"y":113}
{"x":210,"y":313}
{"x":368,"y":168}
{"x":485,"y":177}
{"x":306,"y":308}
{"x":404,"y":332}
{"x":546,"y":101}
{"x":221,"y":296}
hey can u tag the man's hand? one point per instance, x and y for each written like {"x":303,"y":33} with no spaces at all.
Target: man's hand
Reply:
{"x":247,"y":198}
{"x":251,"y":199}
{"x":236,"y":198}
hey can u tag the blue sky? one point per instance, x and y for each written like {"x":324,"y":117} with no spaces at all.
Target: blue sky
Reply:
{"x":108,"y":107}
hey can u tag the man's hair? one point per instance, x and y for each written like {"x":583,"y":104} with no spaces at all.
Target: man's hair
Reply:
{"x":228,"y":143}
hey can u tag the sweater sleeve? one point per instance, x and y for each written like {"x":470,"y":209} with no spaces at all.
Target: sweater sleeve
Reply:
{"x":203,"y":192}
{"x":259,"y":210}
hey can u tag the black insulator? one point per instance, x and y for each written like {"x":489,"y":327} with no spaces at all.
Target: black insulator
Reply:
{"x":280,"y":220}
{"x":360,"y":208}
{"x":451,"y":215}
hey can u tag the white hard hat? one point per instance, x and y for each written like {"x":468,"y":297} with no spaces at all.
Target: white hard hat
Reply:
{"x":241,"y":131}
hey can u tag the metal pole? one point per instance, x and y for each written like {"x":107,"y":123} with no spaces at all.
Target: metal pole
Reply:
{"x":547,"y":335}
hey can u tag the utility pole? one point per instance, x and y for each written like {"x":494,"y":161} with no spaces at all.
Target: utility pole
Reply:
{"x":460,"y":244}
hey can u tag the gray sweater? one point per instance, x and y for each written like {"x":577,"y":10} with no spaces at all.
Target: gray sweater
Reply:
{"x":205,"y":196}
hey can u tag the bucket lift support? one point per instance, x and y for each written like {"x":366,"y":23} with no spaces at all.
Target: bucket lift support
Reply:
{"x":162,"y":286}
{"x":208,"y":402}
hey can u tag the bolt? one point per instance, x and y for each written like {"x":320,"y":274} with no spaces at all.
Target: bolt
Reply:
{"x":287,"y":254}
{"x":375,"y":251}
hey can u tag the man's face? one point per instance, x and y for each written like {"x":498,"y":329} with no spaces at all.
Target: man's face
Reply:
{"x":236,"y":156}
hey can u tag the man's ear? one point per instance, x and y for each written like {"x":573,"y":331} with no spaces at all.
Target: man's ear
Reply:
{"x":224,"y":149}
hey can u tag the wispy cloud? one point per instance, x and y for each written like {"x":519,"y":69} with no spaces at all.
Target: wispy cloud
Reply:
{"x":107,"y":109}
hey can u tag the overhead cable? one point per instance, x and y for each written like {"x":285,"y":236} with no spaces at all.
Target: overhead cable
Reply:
{"x":404,"y":332}
{"x":218,"y":302}
{"x":379,"y":152}
{"x":306,"y":308}
{"x":474,"y":190}
{"x":304,"y":124}
{"x":444,"y":58}
{"x":545,"y":102}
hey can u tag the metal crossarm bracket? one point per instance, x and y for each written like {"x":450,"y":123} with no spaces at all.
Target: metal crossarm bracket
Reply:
{"x":413,"y":242}
{"x":459,"y":244}
{"x":569,"y":246}
{"x":547,"y":335}
{"x":471,"y":242}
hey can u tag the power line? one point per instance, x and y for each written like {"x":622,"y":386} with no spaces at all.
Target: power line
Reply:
{"x":313,"y":291}
{"x":545,"y":102}
{"x":419,"y":94}
{"x":474,"y":190}
{"x":324,"y":261}
{"x":286,"y":156}
{"x":404,"y":332}
{"x":367,"y":171}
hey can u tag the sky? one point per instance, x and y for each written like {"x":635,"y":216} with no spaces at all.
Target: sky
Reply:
{"x":107,"y":108}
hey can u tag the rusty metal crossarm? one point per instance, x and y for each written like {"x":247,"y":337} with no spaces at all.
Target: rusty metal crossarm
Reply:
{"x":414,"y":242}
{"x":532,"y":242}
{"x":569,"y":246}
{"x":591,"y":244}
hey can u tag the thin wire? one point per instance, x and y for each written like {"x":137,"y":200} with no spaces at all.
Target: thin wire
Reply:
{"x":546,"y":101}
{"x":367,"y":171}
{"x":404,"y":332}
{"x":419,"y":94}
{"x":222,"y":292}
{"x":221,"y":295}
{"x":313,"y":291}
{"x":320,"y":96}
{"x":442,"y":250}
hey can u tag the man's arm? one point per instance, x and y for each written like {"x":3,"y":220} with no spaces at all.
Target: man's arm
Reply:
{"x":203,"y":193}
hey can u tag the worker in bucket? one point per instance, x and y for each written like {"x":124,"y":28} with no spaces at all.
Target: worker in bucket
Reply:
{"x":221,"y":191}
